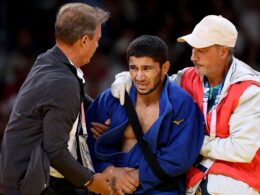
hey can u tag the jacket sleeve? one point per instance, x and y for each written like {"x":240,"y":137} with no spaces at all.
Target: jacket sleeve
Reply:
{"x":179,"y":142}
{"x":244,"y":139}
{"x":97,"y":112}
{"x":60,"y":111}
{"x":176,"y":78}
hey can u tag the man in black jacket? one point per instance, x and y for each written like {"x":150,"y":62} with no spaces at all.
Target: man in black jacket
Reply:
{"x":48,"y":106}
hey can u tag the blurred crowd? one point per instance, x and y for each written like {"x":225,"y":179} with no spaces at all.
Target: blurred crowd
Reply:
{"x":27,"y":29}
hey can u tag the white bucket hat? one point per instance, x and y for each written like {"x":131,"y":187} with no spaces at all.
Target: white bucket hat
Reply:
{"x":212,"y":30}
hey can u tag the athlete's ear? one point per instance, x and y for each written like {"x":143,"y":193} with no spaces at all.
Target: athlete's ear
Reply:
{"x":165,"y":67}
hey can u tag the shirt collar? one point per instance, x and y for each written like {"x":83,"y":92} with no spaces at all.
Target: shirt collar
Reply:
{"x":80,"y":73}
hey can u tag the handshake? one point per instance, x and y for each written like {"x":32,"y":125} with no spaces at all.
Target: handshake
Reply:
{"x":115,"y":181}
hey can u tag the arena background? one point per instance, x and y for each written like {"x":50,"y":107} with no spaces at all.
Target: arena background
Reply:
{"x":27,"y":29}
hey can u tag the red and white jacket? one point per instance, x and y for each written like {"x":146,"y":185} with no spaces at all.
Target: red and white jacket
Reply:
{"x":236,"y":148}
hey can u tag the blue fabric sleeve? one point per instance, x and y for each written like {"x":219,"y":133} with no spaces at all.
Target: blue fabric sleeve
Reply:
{"x":97,"y":112}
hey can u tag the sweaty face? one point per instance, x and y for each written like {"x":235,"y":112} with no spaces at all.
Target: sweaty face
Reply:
{"x":147,"y":74}
{"x":207,"y":60}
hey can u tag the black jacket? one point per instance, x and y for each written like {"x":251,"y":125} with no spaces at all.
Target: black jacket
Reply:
{"x":38,"y":129}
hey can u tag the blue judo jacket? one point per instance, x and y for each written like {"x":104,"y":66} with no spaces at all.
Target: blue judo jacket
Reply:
{"x":175,"y":138}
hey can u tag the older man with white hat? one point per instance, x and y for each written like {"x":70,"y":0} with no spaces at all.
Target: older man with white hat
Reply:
{"x":228,"y":93}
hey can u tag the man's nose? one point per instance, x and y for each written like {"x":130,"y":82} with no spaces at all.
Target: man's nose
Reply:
{"x":194,"y":56}
{"x":139,"y":75}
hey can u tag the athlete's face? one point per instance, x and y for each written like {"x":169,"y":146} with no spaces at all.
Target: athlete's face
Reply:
{"x":147,"y":74}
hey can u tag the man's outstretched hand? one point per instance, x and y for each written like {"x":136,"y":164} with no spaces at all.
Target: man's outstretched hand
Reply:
{"x":100,"y":184}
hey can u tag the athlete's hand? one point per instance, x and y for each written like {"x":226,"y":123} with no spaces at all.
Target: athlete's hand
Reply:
{"x":99,"y":129}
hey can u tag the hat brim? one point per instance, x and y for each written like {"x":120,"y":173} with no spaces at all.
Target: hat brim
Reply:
{"x":195,"y":41}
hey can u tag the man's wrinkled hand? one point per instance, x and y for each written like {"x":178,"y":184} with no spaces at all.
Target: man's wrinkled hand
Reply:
{"x":100,"y":184}
{"x":121,"y":182}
